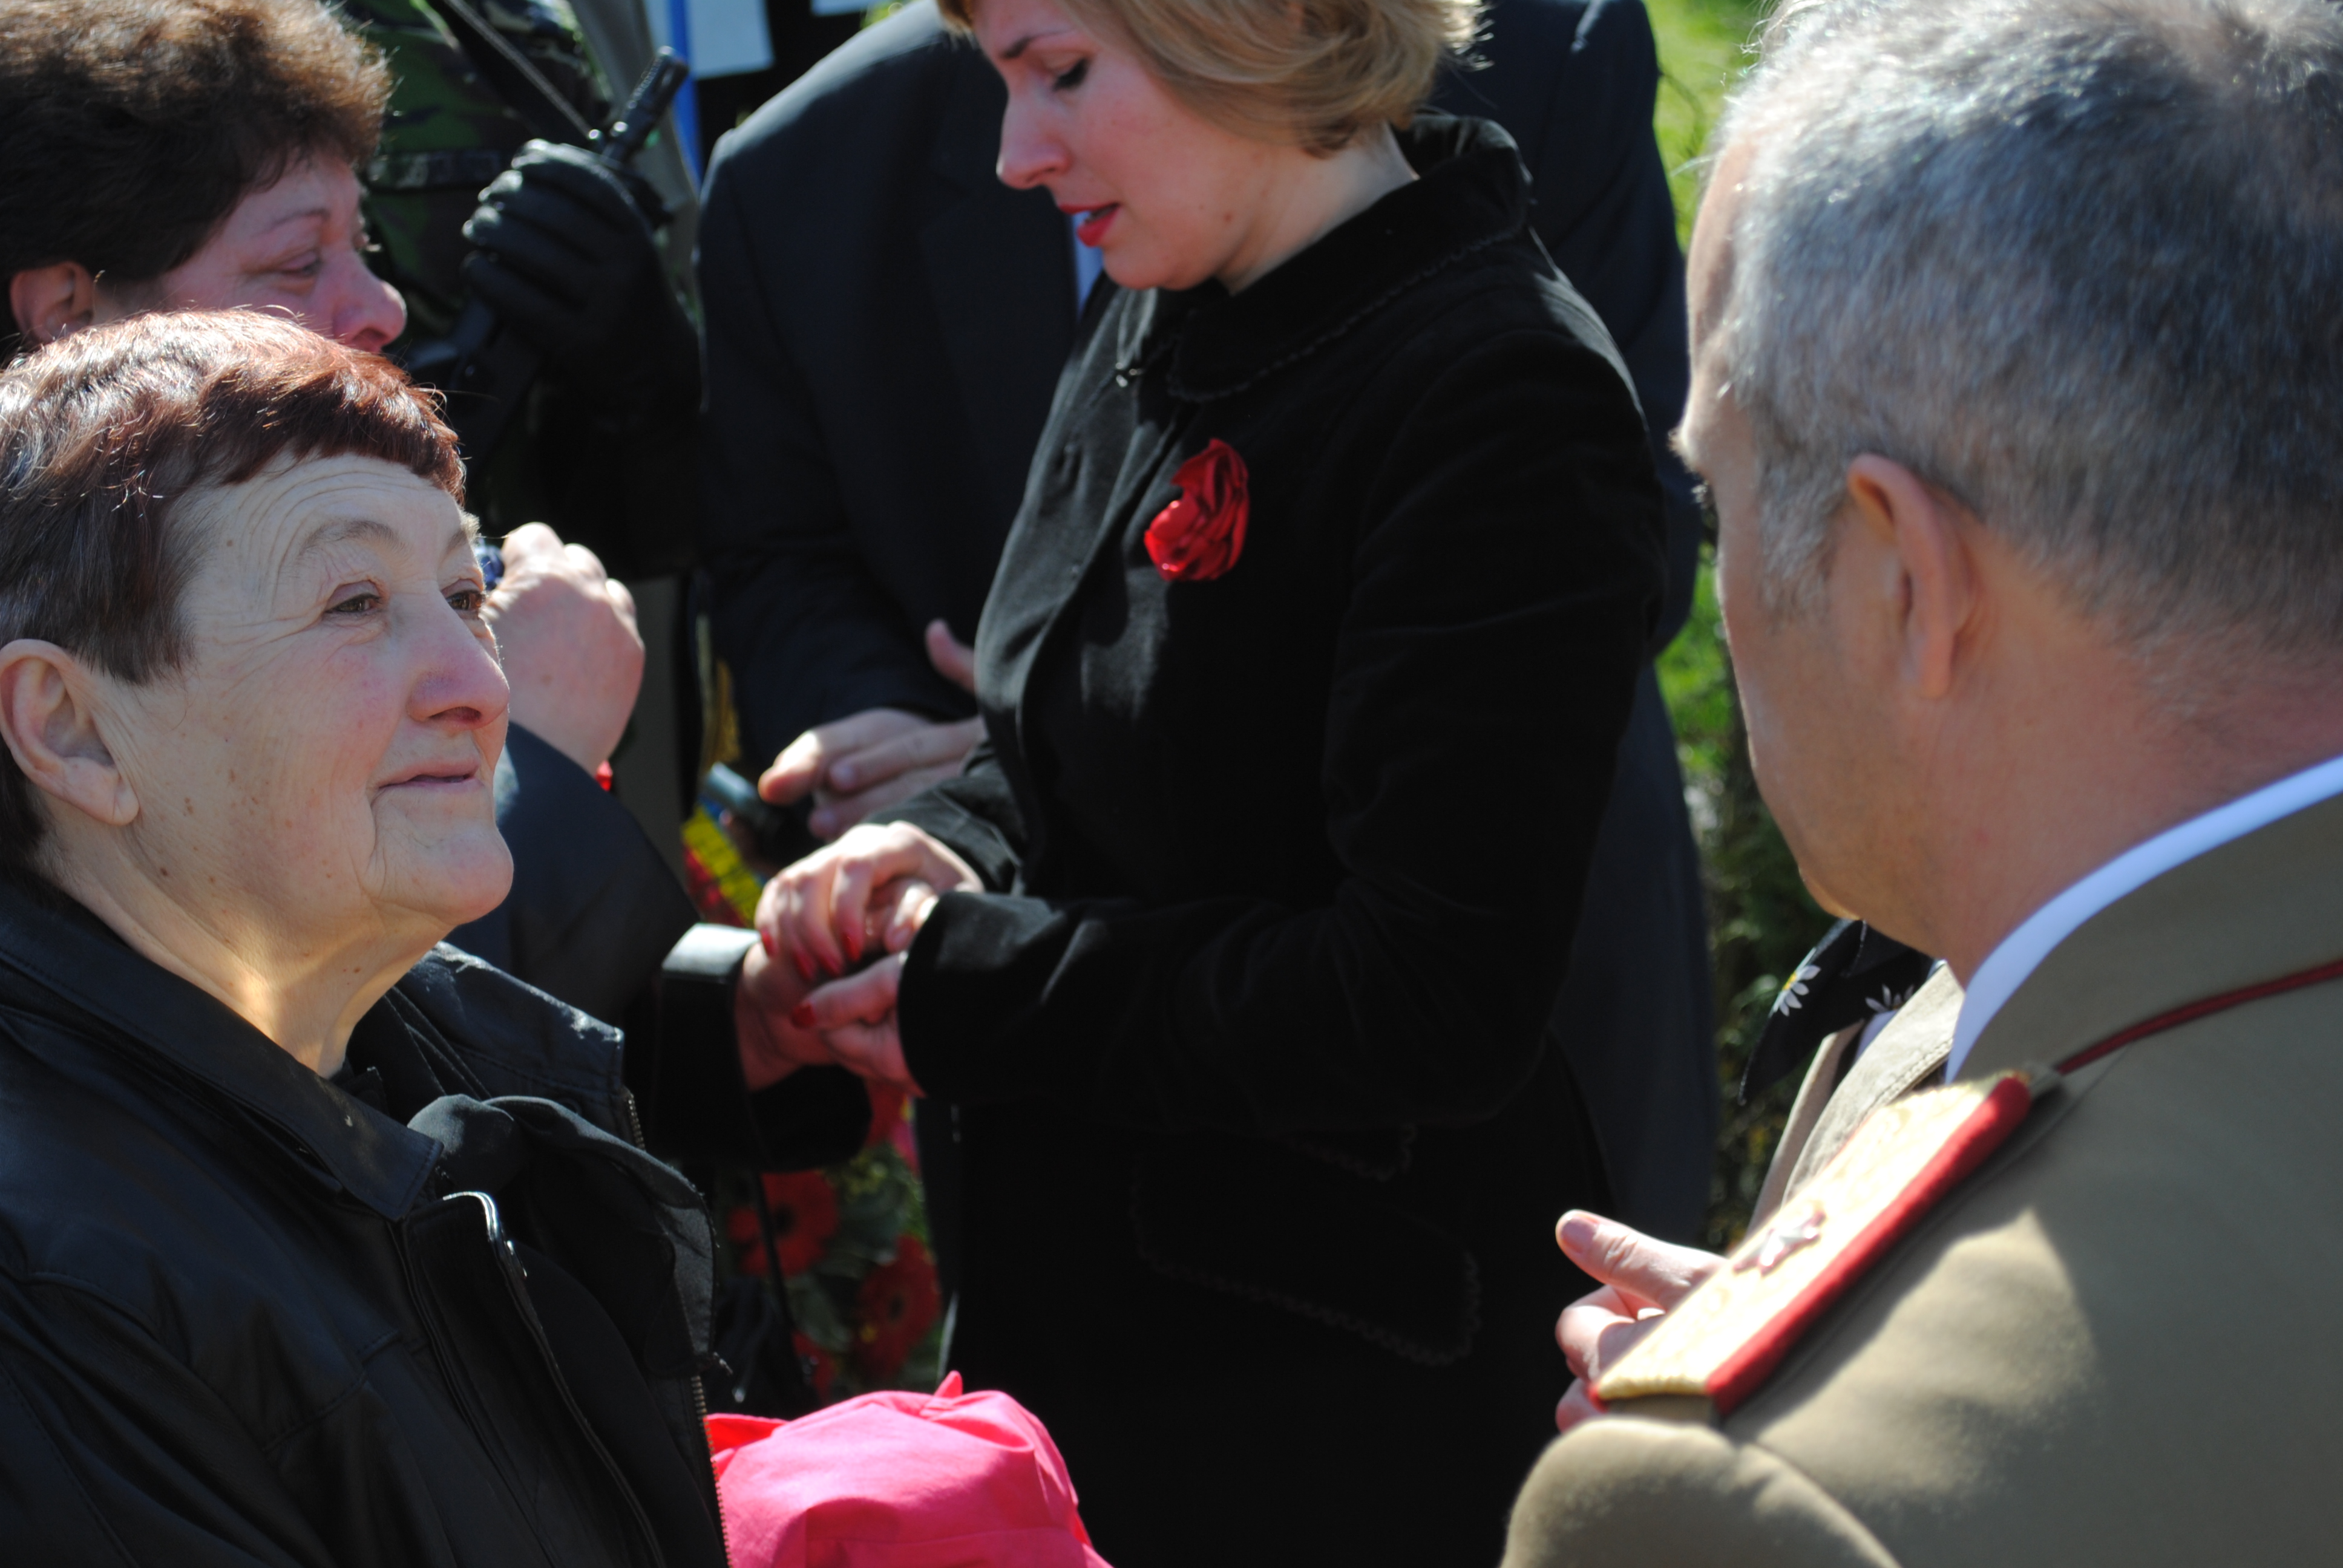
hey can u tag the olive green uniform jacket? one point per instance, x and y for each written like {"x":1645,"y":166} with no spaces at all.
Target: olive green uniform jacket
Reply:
{"x":2115,"y":1341}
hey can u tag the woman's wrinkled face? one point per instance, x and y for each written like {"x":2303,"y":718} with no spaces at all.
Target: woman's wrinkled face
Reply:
{"x":295,"y":246}
{"x":1169,"y":198}
{"x":323,"y":763}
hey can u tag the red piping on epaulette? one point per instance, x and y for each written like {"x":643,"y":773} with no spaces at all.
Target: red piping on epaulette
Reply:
{"x":2206,"y":1009}
{"x":1742,"y":1374}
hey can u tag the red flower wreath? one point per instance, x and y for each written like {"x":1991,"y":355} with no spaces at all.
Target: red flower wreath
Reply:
{"x":805,"y":1217}
{"x":1200,"y":536}
{"x":898,"y":1305}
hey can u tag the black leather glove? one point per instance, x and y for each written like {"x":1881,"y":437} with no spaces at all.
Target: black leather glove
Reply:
{"x":566,"y":259}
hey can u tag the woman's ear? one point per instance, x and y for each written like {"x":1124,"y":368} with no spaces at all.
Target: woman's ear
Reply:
{"x":49,"y":725}
{"x":53,"y":301}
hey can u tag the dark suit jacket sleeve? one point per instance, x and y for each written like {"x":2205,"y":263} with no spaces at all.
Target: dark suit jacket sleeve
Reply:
{"x":1617,"y":243}
{"x":810,"y":633}
{"x":593,"y":914}
{"x":1574,"y":84}
{"x":976,"y":814}
{"x":1421,"y":991}
{"x":593,"y":908}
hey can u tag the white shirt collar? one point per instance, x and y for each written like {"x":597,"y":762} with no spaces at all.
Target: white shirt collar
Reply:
{"x":2022,"y":951}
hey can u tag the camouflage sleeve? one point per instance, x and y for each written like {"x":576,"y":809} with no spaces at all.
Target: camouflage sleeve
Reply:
{"x":449,"y":131}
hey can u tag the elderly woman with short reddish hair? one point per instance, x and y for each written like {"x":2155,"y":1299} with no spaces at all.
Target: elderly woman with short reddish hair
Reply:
{"x":1302,"y":676}
{"x":318,"y":1243}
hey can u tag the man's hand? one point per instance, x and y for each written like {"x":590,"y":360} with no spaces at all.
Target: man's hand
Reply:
{"x":1641,"y":1278}
{"x":858,"y":765}
{"x":567,"y":634}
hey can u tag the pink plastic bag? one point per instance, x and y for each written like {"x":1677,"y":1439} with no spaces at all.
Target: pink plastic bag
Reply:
{"x":899,"y":1480}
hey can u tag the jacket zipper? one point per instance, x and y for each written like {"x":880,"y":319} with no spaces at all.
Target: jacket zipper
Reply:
{"x":516,"y":1280}
{"x":699,"y":1389}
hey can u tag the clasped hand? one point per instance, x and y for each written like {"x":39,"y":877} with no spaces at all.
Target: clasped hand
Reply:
{"x":799,"y":1005}
{"x":1640,"y":1279}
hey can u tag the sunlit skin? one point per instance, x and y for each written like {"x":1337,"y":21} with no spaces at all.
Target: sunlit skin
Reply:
{"x":1169,"y":198}
{"x":1775,"y":655}
{"x":296,"y":247}
{"x":294,"y":817}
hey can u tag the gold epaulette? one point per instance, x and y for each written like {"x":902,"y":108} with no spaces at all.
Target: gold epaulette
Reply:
{"x":1723,"y":1341}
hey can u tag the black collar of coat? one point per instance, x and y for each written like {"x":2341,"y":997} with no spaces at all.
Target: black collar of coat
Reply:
{"x":60,"y":963}
{"x":1471,"y":192}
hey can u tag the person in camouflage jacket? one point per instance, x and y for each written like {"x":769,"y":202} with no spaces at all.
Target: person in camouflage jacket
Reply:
{"x":481,"y":188}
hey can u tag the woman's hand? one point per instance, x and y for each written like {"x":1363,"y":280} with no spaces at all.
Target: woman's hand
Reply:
{"x":765,"y":1006}
{"x":854,"y":1019}
{"x":872,"y":889}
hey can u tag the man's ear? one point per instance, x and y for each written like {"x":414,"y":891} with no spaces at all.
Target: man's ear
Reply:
{"x":48,"y":725}
{"x":1919,"y":536}
{"x":53,"y":301}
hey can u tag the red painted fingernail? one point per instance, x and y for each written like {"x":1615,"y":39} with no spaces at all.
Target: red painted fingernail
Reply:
{"x":767,"y":938}
{"x":805,"y":967}
{"x":801,"y":1015}
{"x":853,"y":946}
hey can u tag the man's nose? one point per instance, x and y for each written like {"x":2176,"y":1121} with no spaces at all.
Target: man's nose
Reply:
{"x":362,"y":310}
{"x":1028,"y":154}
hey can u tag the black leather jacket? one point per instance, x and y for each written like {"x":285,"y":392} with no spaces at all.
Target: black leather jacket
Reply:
{"x":250,"y":1316}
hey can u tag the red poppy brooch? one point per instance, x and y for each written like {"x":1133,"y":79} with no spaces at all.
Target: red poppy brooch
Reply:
{"x":1200,"y":536}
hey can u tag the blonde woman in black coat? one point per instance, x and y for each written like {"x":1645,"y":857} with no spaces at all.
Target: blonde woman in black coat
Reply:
{"x":1302,"y":679}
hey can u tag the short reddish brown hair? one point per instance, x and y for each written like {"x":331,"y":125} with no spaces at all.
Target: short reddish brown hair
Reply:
{"x":131,"y":128}
{"x":103,"y":434}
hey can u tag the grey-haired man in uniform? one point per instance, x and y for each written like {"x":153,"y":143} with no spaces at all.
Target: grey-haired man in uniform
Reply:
{"x":2019,"y":383}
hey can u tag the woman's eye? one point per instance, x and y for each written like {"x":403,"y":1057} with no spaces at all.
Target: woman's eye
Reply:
{"x":467,"y":601}
{"x":365,"y":602}
{"x":1072,"y":78}
{"x":305,"y":267}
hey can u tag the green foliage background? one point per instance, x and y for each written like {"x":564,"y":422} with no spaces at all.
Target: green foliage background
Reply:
{"x":1760,"y":918}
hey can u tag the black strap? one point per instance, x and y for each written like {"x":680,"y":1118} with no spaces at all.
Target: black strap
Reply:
{"x":524,"y":87}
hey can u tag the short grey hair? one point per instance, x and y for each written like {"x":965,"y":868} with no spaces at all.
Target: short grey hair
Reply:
{"x":2077,"y":263}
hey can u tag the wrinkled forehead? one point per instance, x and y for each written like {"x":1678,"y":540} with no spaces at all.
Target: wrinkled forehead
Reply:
{"x":300,"y":516}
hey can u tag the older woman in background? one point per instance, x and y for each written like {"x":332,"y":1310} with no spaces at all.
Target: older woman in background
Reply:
{"x":1303,"y":677}
{"x":322,"y":1245}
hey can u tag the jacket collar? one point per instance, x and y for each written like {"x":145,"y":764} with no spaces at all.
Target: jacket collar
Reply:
{"x":2259,"y":907}
{"x":1470,"y":193}
{"x":66,"y":966}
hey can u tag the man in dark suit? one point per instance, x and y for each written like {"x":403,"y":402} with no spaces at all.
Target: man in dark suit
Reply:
{"x":886,"y":323}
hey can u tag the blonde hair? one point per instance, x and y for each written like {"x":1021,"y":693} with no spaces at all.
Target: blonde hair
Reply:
{"x":1310,"y":73}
